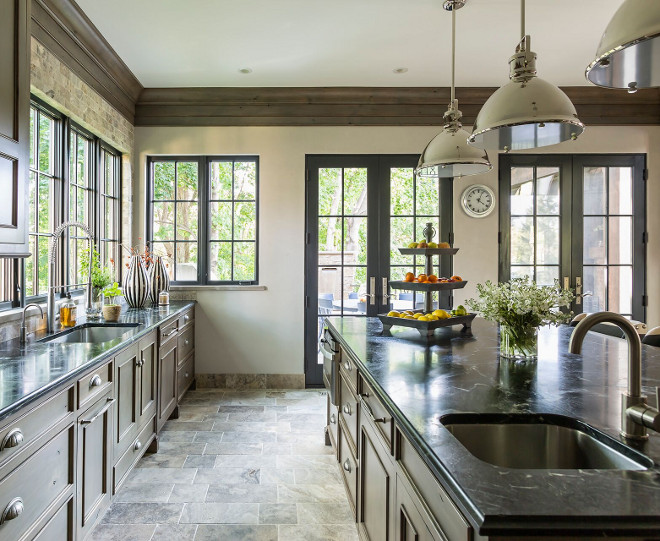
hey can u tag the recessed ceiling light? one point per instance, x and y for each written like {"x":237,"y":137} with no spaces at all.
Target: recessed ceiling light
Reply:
{"x":399,"y":71}
{"x":245,"y":71}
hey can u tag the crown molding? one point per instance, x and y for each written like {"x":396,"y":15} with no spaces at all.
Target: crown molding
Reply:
{"x":64,"y":29}
{"x":362,"y":106}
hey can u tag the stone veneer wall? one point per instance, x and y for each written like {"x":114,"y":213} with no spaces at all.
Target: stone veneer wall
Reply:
{"x":54,"y":83}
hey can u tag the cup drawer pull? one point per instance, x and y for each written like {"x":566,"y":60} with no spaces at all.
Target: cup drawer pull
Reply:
{"x":137,"y":446}
{"x":347,"y":466}
{"x":96,"y":381}
{"x":13,"y":438}
{"x":333,"y":419}
{"x":13,"y":510}
{"x":348,"y":366}
{"x":347,"y":409}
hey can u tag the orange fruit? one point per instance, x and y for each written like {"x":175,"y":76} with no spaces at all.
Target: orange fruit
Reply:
{"x":456,"y":278}
{"x":409,"y":277}
{"x":422,"y":278}
{"x":433,"y":278}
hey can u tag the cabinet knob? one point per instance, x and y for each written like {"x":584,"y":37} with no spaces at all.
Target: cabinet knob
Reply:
{"x":186,"y":342}
{"x":96,"y":381}
{"x":348,"y":366}
{"x":333,"y":419}
{"x":13,"y":509}
{"x":347,"y":409}
{"x":187,"y":375}
{"x":13,"y":438}
{"x":347,"y":466}
{"x":186,"y":317}
{"x":137,"y":446}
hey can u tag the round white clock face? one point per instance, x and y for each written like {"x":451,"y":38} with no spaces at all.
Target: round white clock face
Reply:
{"x":478,"y":200}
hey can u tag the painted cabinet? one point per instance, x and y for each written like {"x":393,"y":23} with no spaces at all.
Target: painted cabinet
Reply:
{"x":14,"y":125}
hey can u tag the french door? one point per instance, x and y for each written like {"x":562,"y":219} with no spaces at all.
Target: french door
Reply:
{"x":578,"y":219}
{"x":360,"y":209}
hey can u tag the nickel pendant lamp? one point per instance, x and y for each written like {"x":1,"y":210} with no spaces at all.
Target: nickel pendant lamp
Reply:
{"x":448,"y":154}
{"x":527,"y":112}
{"x":628,"y":55}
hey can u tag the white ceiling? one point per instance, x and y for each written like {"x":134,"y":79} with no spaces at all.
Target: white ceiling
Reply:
{"x":174,"y":43}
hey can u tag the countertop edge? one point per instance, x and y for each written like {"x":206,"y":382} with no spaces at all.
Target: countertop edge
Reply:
{"x":93,"y":362}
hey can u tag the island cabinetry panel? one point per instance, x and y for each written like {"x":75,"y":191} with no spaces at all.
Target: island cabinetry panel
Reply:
{"x":348,"y":412}
{"x":186,"y":343}
{"x":185,"y":376}
{"x":349,"y":470}
{"x":167,"y":381}
{"x":60,"y":526}
{"x":412,"y":523}
{"x":147,"y":390}
{"x":14,"y":125}
{"x":333,"y":426}
{"x":432,"y":497}
{"x":94,"y":457}
{"x":31,"y":491}
{"x":348,"y":369}
{"x":377,"y":483}
{"x":374,"y":409}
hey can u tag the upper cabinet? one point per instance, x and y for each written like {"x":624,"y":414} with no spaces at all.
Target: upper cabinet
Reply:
{"x":14,"y":125}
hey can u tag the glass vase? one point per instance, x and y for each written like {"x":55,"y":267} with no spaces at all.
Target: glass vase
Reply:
{"x":97,"y":304}
{"x":519,"y":343}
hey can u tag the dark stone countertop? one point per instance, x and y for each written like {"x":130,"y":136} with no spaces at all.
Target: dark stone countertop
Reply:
{"x":31,"y":371}
{"x":456,"y":372}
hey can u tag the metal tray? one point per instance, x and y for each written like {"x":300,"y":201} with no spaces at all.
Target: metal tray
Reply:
{"x":428,"y":251}
{"x":426,"y":328}
{"x":416,"y":286}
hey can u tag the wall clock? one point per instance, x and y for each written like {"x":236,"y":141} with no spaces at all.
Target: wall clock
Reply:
{"x":478,"y":200}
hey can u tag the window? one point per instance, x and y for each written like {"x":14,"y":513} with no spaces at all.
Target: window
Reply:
{"x":73,"y":176}
{"x":202,"y":213}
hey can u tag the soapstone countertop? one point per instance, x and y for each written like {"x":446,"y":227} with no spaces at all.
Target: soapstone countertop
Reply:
{"x":32,"y":371}
{"x":420,"y":381}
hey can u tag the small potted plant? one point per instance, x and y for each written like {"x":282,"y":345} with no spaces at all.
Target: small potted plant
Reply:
{"x":101,"y":277}
{"x":112,"y":310}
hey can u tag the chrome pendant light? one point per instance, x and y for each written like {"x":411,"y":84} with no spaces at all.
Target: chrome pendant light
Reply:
{"x":528,"y":112}
{"x":628,"y":55}
{"x":448,"y":154}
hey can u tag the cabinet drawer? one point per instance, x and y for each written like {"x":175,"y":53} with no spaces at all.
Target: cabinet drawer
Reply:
{"x":348,"y":465}
{"x":185,"y":376}
{"x":23,"y":431}
{"x":374,"y":409}
{"x":186,"y":343}
{"x":348,"y":411}
{"x":132,"y":454}
{"x":60,"y":527}
{"x":333,"y":424}
{"x":167,"y":332}
{"x":434,"y":497}
{"x":187,"y":318}
{"x":94,"y":384}
{"x":37,"y":483}
{"x":348,"y":369}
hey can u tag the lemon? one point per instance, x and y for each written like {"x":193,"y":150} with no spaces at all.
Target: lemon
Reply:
{"x":442,"y":314}
{"x":408,"y":317}
{"x":394,"y":313}
{"x":417,"y":316}
{"x":423,"y":318}
{"x":433,"y":317}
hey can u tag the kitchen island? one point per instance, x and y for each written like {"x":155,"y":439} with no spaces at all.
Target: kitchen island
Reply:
{"x":416,"y":383}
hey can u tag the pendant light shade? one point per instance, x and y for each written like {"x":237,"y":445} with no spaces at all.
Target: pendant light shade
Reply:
{"x":528,"y":112}
{"x":628,"y":55}
{"x":448,"y":155}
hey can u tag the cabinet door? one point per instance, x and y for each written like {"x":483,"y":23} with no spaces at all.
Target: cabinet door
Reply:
{"x":126,"y":386}
{"x":148,"y":360}
{"x":410,"y":524}
{"x":14,"y":124}
{"x":94,"y":484}
{"x":375,"y":498}
{"x":167,"y":388}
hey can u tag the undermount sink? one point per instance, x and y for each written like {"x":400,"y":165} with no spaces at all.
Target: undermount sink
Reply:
{"x":94,"y":333}
{"x":535,"y":441}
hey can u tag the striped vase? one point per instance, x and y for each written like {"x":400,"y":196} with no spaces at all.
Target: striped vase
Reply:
{"x":159,"y":280}
{"x":136,"y":283}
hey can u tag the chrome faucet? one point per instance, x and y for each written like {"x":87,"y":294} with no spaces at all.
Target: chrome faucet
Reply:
{"x":636,"y":414}
{"x":23,"y":333}
{"x":52,"y":253}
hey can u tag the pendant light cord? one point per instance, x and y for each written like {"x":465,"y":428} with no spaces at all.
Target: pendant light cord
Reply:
{"x":453,"y":56}
{"x":522,"y":19}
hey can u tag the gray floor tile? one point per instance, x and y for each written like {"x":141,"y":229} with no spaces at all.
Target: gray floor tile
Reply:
{"x":208,"y":437}
{"x":245,"y":493}
{"x":245,"y":461}
{"x":143,"y":513}
{"x":277,"y":449}
{"x":227,"y":476}
{"x":188,"y":493}
{"x":240,"y":409}
{"x":317,"y":476}
{"x":199,"y":461}
{"x":250,"y":416}
{"x":278,"y":513}
{"x":310,"y":494}
{"x":158,"y":460}
{"x":161,"y":475}
{"x":175,"y":532}
{"x":119,"y":532}
{"x":248,"y":437}
{"x":277,"y":476}
{"x":227,"y":426}
{"x":145,"y":492}
{"x":181,"y":448}
{"x":220,"y":513}
{"x":307,"y":461}
{"x":239,"y":532}
{"x":233,"y":449}
{"x":325,"y":513}
{"x":184,"y":426}
{"x":318,"y":532}
{"x":176,"y":436}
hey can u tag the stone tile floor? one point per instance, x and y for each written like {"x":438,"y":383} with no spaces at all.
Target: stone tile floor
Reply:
{"x":236,"y":465}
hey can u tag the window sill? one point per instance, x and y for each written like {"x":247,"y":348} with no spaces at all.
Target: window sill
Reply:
{"x":218,"y":288}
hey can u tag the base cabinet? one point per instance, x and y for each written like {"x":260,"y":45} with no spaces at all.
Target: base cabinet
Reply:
{"x":94,"y":486}
{"x":411,"y":522}
{"x":167,"y":384}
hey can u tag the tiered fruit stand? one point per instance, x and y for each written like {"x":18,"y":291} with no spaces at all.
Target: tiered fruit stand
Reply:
{"x":426,"y":328}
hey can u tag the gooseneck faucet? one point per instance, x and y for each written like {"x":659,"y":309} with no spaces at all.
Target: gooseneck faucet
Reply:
{"x":23,"y":330}
{"x":52,"y":256}
{"x":636,"y":414}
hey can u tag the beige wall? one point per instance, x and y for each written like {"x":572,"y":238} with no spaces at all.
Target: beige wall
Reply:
{"x":262,"y":331}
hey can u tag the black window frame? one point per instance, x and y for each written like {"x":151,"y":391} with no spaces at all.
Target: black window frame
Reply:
{"x":60,"y":207}
{"x":203,"y":227}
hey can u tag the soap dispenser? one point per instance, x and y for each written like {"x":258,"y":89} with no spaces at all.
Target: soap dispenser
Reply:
{"x":68,"y":312}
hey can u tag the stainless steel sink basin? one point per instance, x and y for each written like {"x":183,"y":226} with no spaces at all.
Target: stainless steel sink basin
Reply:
{"x":95,"y":333}
{"x":531,"y":441}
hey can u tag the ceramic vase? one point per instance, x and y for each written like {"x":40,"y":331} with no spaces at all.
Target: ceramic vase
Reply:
{"x":135,"y":284}
{"x":111,"y":312}
{"x":159,"y":280}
